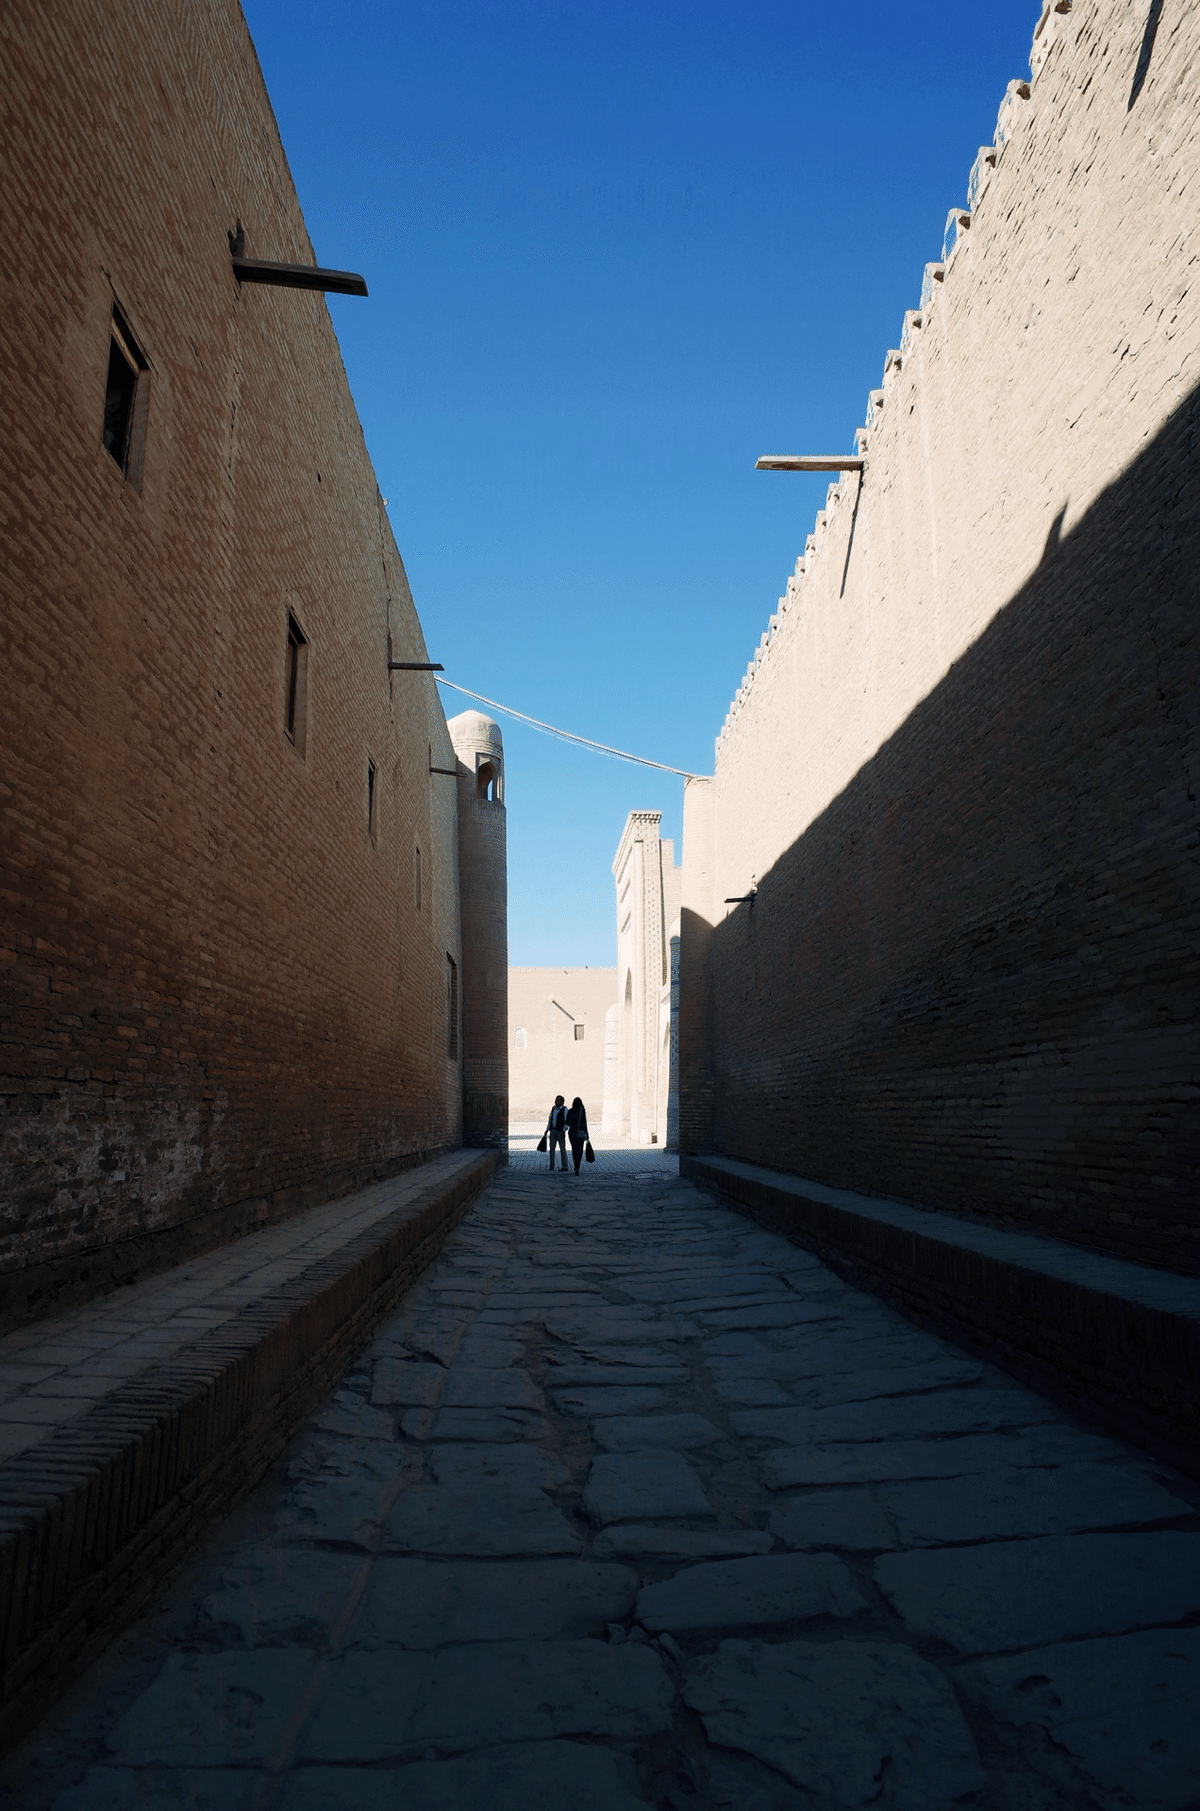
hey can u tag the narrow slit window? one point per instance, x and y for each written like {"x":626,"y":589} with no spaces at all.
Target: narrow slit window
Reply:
{"x":295,"y":683}
{"x":417,"y":877}
{"x":452,"y":1008}
{"x":579,"y":1034}
{"x":371,"y":799}
{"x":126,"y":395}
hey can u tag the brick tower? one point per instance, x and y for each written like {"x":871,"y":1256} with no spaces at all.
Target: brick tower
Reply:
{"x":483,"y":882}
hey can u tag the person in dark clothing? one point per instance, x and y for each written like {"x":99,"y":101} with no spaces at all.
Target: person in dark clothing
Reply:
{"x":577,"y":1129}
{"x":556,"y":1130}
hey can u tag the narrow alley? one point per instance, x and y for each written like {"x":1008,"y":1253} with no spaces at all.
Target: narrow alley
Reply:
{"x":632,"y":1502}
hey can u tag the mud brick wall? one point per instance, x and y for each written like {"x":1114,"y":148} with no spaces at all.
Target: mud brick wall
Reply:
{"x":962,"y":766}
{"x":220,"y":1000}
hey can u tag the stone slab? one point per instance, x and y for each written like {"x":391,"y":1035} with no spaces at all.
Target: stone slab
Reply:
{"x":269,"y":1600}
{"x":639,"y":1487}
{"x":593,"y":1376}
{"x":412,"y":1603}
{"x":613,"y":1399}
{"x":849,"y":1519}
{"x":892,"y":1381}
{"x":347,"y":1511}
{"x":961,"y":1411}
{"x":390,"y":1704}
{"x":485,"y":1425}
{"x":1019,"y":1594}
{"x":752,"y":1392}
{"x":851,"y":1723}
{"x":867,"y":1462}
{"x":624,"y":1357}
{"x":406,"y":1383}
{"x":658,"y":1541}
{"x":216,"y":1710}
{"x":162,"y":1788}
{"x":352,"y":1418}
{"x":750,"y":1593}
{"x":1061,"y":1499}
{"x":477,"y":1387}
{"x":460,"y":1523}
{"x":559,"y":1776}
{"x":1124,"y":1706}
{"x":652,"y":1433}
{"x":779,"y":1314}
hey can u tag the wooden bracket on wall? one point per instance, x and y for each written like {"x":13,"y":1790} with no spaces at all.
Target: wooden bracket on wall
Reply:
{"x":810,"y":462}
{"x":290,"y":276}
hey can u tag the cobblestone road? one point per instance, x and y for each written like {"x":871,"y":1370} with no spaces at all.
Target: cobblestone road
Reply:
{"x":632,"y":1502}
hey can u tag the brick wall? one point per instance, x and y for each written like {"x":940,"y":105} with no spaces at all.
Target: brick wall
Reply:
{"x":962,"y":766}
{"x":546,"y":1004}
{"x":220,"y":999}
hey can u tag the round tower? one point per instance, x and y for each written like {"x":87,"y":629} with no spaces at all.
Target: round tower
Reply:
{"x":483,"y":892}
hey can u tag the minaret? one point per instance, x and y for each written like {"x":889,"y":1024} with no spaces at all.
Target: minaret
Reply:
{"x":483,"y":890}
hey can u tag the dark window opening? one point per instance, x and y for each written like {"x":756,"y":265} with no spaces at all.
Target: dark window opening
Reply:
{"x":579,"y":1034}
{"x":125,"y":398}
{"x":371,"y":799}
{"x":485,"y":781}
{"x":452,"y":1008}
{"x":295,"y":678}
{"x":417,"y":877}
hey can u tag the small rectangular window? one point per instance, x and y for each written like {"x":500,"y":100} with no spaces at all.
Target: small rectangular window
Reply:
{"x":519,"y":1037}
{"x":295,"y":684}
{"x":417,"y":877}
{"x":371,"y":799}
{"x":126,"y":398}
{"x":452,"y":1008}
{"x":579,"y":1034}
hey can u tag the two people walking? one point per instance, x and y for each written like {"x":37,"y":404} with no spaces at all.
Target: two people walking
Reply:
{"x":568,"y":1122}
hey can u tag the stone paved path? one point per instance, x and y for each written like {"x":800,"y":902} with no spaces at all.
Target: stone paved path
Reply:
{"x":632,"y":1502}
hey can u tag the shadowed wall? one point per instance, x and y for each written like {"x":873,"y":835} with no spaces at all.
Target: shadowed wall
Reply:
{"x":962,"y":767}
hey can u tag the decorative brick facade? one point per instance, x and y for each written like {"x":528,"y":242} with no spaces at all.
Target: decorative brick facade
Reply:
{"x":223,"y":999}
{"x":961,"y":771}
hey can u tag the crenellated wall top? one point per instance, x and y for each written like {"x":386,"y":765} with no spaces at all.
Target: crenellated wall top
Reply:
{"x":1050,"y":30}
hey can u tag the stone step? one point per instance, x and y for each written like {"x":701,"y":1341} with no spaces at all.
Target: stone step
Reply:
{"x":1116,"y":1342}
{"x":104,"y":1501}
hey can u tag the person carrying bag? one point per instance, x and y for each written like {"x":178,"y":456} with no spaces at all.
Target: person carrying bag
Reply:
{"x":577,"y":1131}
{"x":556,"y":1131}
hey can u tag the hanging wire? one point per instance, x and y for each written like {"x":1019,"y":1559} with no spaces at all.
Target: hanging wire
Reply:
{"x":565,"y":735}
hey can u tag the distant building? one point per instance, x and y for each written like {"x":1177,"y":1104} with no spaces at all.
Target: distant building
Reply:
{"x":556,"y":1027}
{"x":609,"y":1035}
{"x":647,"y":894}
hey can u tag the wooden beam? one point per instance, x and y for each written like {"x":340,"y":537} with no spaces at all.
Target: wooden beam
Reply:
{"x":415,"y":666}
{"x":298,"y":276}
{"x":810,"y":462}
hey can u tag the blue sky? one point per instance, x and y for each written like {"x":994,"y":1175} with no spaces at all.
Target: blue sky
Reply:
{"x":614,"y":253}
